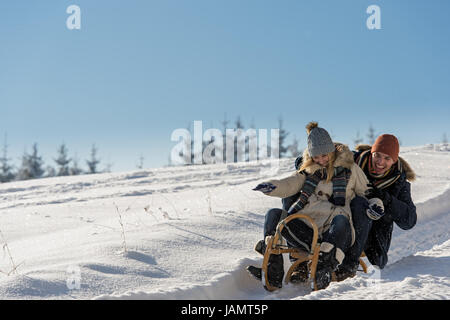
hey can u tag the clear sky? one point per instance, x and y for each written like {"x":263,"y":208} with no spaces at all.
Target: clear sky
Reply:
{"x":139,"y":69}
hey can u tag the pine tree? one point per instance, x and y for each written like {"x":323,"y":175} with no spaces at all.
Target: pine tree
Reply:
{"x":31,"y":165}
{"x":140,"y":164}
{"x":293,"y":148}
{"x":75,"y":169}
{"x":224,"y":145}
{"x":6,"y":173}
{"x":239,"y":141}
{"x":36,"y":163}
{"x":51,"y":172}
{"x":93,"y":162}
{"x":251,"y":143}
{"x":282,"y":135}
{"x":62,"y":161}
{"x":358,"y":139}
{"x":24,"y":172}
{"x":371,"y":135}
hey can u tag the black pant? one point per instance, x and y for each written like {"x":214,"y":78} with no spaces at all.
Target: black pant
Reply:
{"x":297,"y":233}
{"x":362,"y":225}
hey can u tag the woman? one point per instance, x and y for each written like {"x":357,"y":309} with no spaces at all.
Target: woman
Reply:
{"x":326,"y":182}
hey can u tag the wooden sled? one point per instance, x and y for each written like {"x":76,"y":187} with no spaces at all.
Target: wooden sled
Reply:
{"x":274,"y":246}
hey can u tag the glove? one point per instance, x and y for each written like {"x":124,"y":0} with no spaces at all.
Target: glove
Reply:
{"x":265,"y":188}
{"x":376,"y":209}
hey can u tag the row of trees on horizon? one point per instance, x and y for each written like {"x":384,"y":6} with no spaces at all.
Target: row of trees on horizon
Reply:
{"x":32,"y":165}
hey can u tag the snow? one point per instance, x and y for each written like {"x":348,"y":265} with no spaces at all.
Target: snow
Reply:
{"x":189,"y":232}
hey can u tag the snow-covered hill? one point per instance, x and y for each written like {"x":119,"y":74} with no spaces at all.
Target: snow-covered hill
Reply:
{"x":189,"y":232}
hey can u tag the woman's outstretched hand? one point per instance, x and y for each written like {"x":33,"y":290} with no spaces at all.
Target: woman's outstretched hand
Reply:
{"x":265,"y":188}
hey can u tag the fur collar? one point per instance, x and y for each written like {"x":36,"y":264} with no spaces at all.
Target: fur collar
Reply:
{"x":403,"y":164}
{"x":344,"y":158}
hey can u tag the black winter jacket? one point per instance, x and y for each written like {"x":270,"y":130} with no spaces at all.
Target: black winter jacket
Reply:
{"x":398,"y":208}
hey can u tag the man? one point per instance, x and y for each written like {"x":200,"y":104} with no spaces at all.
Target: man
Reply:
{"x":388,"y":175}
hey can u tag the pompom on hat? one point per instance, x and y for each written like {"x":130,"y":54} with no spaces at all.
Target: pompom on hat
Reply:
{"x":387,"y":144}
{"x":319,"y":141}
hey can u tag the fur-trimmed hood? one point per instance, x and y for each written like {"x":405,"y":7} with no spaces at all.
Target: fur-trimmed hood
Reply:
{"x":344,"y":158}
{"x":403,"y":165}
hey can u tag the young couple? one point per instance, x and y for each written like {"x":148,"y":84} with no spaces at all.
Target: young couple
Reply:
{"x":353,"y":197}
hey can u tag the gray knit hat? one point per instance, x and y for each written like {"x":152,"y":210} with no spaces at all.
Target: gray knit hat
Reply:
{"x":319,"y":141}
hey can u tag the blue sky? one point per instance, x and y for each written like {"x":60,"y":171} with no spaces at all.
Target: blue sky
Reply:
{"x":138,"y":70}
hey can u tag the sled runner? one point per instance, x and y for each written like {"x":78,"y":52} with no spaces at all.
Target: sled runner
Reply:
{"x":276,"y":245}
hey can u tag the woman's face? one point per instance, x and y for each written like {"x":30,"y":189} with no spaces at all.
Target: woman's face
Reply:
{"x":321,"y":160}
{"x":381,"y":162}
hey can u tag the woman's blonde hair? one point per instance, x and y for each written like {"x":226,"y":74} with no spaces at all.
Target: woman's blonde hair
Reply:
{"x":329,"y":167}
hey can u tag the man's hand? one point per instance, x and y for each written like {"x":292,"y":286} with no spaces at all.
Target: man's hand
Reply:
{"x":376,"y":209}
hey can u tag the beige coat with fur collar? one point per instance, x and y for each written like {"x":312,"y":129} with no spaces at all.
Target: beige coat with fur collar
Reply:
{"x":318,"y":206}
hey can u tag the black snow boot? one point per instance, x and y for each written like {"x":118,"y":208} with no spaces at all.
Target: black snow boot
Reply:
{"x":275,"y":271}
{"x":255,"y":272}
{"x":325,"y":267}
{"x":323,"y":277}
{"x":260,"y":247}
{"x":344,"y":271}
